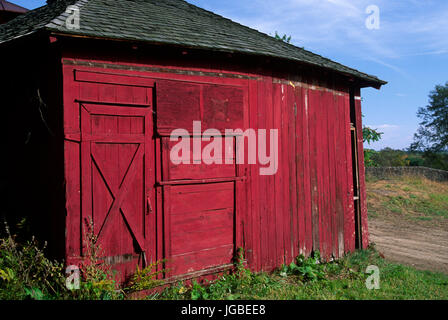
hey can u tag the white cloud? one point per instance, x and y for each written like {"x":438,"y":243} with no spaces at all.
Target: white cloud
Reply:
{"x":385,"y":126}
{"x":408,"y":27}
{"x":394,"y":136}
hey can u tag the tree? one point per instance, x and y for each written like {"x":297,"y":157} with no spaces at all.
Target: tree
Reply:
{"x":389,"y":157}
{"x":370,"y":135}
{"x":284,"y":38}
{"x":432,"y":134}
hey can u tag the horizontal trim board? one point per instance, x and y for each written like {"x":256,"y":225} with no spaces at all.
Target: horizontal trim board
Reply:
{"x":200,"y":181}
{"x":308,"y":86}
{"x":113,"y":78}
{"x":128,"y":105}
{"x":199,"y":273}
{"x":156,"y":69}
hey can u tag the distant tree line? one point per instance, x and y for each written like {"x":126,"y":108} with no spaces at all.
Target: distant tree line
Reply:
{"x":430,"y":146}
{"x":389,"y":157}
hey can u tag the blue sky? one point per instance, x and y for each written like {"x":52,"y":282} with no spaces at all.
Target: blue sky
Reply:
{"x":409,"y":50}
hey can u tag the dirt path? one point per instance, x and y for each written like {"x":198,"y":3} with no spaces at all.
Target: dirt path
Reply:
{"x":424,"y":247}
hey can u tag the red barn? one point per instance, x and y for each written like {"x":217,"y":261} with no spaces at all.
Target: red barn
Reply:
{"x":88,"y":110}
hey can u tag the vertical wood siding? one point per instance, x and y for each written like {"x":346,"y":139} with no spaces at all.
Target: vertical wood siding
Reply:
{"x":307,"y":205}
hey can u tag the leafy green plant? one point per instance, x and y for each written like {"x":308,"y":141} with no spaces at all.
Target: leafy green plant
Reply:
{"x":283,"y":38}
{"x":369,"y":155}
{"x":198,"y":292}
{"x":98,"y":279}
{"x":370,"y":135}
{"x":240,"y":283}
{"x":308,"y":269}
{"x":146,"y":278}
{"x":25,"y":272}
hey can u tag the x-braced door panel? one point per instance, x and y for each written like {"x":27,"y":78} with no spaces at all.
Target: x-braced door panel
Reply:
{"x":117,"y":195}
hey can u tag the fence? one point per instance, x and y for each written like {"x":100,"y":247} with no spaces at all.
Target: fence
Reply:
{"x":393,"y":172}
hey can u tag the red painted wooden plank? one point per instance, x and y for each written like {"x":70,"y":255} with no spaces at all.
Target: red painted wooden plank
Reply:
{"x":349,"y":225}
{"x":270,"y":187}
{"x":332,"y":123}
{"x":329,"y":169}
{"x":284,"y":156}
{"x":104,"y":109}
{"x":150,"y":203}
{"x":167,"y":231}
{"x":86,"y":192}
{"x":332,"y":175}
{"x":201,"y":197}
{"x":300,"y":156}
{"x":198,"y":260}
{"x":323,"y":190}
{"x":361,"y":168}
{"x":239,"y":214}
{"x":178,"y":73}
{"x":263,"y":101}
{"x":278,"y":179}
{"x":245,"y":170}
{"x":319,"y":168}
{"x":200,"y":171}
{"x":330,"y":160}
{"x":325,"y":177}
{"x":72,"y":170}
{"x":242,"y":210}
{"x":342,"y":174}
{"x":284,"y":153}
{"x":314,"y":166}
{"x":113,"y":78}
{"x":291,"y":224}
{"x":307,"y":173}
{"x":158,"y":215}
{"x":320,"y":145}
{"x":254,"y":180}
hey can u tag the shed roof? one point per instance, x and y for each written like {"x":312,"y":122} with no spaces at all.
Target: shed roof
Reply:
{"x":171,"y":22}
{"x":11,"y":7}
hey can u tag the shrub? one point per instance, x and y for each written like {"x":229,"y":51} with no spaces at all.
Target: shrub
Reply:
{"x":146,"y":278}
{"x":240,"y":283}
{"x":308,"y":269}
{"x":26,"y":273}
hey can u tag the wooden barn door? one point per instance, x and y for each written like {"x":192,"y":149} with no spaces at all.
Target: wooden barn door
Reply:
{"x":201,"y":201}
{"x":199,"y":216}
{"x":117,"y":180}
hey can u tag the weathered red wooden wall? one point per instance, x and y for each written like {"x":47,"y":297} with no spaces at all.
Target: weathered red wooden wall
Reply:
{"x":307,"y":205}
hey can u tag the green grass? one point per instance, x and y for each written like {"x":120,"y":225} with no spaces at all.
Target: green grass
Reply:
{"x":341,"y":280}
{"x":413,"y":197}
{"x":436,"y":205}
{"x":26,"y":274}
